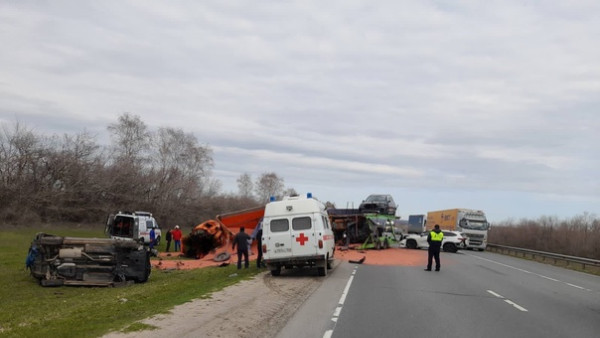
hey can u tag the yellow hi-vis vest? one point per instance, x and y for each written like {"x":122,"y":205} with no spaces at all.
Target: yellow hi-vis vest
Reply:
{"x":436,"y":237}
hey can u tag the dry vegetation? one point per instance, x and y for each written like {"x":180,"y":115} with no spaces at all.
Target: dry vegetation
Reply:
{"x":579,"y":236}
{"x":71,"y":178}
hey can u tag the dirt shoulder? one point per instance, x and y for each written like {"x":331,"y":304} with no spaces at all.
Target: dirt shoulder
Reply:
{"x":259,"y":307}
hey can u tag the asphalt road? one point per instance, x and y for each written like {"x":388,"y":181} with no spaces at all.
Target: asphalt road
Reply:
{"x":477,"y":294}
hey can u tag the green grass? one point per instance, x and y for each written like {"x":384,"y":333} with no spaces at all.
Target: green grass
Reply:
{"x":30,"y":310}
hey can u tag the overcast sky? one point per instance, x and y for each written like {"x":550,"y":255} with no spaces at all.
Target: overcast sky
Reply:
{"x":490,"y":105}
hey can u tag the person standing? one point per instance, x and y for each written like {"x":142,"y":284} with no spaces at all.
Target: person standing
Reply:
{"x":241,"y":242}
{"x":176,"y":234}
{"x":169,"y":237}
{"x":152,"y":238}
{"x":259,"y":262}
{"x":434,"y":239}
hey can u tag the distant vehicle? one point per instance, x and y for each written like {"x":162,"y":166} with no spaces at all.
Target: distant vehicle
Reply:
{"x":414,"y":225}
{"x":382,"y":204}
{"x":297,"y":233}
{"x":472,"y":223}
{"x":452,"y":242}
{"x":57,"y":260}
{"x":133,"y":225}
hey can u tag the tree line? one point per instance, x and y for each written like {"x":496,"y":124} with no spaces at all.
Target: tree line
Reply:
{"x":578,"y":236}
{"x":72,"y":178}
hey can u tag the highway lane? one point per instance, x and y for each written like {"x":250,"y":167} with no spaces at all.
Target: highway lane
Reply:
{"x":476,"y":294}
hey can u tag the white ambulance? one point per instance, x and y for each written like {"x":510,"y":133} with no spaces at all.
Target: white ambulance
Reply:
{"x":297,"y":233}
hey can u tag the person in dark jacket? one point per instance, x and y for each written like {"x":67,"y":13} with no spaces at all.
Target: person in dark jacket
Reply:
{"x":241,"y":242}
{"x":434,"y":239}
{"x":169,"y":238}
{"x":259,"y":262}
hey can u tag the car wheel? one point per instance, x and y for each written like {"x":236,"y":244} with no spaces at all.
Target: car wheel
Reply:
{"x":276,"y":271}
{"x":411,"y":244}
{"x":450,"y":247}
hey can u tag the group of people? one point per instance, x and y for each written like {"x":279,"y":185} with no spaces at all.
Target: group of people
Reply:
{"x":175,"y":236}
{"x":242,"y":241}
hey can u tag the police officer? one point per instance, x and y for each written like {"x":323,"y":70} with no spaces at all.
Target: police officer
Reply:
{"x":434,"y":239}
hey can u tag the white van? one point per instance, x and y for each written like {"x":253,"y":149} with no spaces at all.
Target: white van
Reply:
{"x":134,"y":225}
{"x":297,"y":233}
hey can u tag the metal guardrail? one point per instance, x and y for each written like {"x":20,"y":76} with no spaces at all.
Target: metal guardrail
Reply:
{"x":534,"y":254}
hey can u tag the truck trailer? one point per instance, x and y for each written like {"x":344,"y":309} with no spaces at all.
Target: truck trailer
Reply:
{"x":472,"y":223}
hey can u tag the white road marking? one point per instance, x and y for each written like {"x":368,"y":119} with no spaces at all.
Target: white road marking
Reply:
{"x":533,"y":273}
{"x":495,"y":294}
{"x":516,"y":305}
{"x":343,"y":297}
{"x":508,"y":301}
{"x":576,"y":286}
{"x":338,"y":310}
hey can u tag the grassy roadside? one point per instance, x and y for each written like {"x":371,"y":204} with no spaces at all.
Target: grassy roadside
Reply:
{"x":29,"y":310}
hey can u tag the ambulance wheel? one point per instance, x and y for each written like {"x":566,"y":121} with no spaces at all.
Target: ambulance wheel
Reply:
{"x":322,"y":270}
{"x":329,"y":264}
{"x":411,"y":244}
{"x":276,"y":271}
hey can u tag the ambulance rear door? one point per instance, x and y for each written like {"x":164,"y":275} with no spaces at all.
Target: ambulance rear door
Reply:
{"x":303,"y":239}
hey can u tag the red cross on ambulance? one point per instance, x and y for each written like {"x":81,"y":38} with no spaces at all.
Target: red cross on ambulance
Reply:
{"x":301,"y":239}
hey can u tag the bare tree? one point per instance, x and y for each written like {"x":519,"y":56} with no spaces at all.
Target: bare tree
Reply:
{"x":20,"y":161}
{"x":267,"y":185}
{"x":245,"y":185}
{"x":181,"y":169}
{"x":290,"y":192}
{"x":130,"y":137}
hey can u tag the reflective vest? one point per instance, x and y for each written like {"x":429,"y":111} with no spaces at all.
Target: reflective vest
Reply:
{"x":436,"y":237}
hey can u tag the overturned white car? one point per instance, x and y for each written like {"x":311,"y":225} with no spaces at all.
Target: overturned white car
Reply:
{"x":56,"y":261}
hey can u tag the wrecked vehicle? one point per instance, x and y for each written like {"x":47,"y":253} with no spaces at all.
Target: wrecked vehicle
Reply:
{"x":56,"y":261}
{"x":382,"y":204}
{"x":213,"y":234}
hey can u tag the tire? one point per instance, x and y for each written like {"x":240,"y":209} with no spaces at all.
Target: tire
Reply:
{"x":411,"y":244}
{"x":276,"y":271}
{"x":157,"y":243}
{"x":322,"y":270}
{"x":450,"y":247}
{"x":51,"y":282}
{"x":481,"y":249}
{"x":223,"y":256}
{"x":147,"y":270}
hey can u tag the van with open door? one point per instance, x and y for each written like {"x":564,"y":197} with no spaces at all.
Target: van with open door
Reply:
{"x":133,"y":225}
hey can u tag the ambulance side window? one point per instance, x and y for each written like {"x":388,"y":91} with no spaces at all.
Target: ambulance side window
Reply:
{"x":301,"y":223}
{"x":325,"y":222}
{"x":279,"y":225}
{"x":149,"y":224}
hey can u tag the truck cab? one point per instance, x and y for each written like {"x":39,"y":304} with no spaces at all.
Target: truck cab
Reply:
{"x":297,"y":233}
{"x":133,"y":225}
